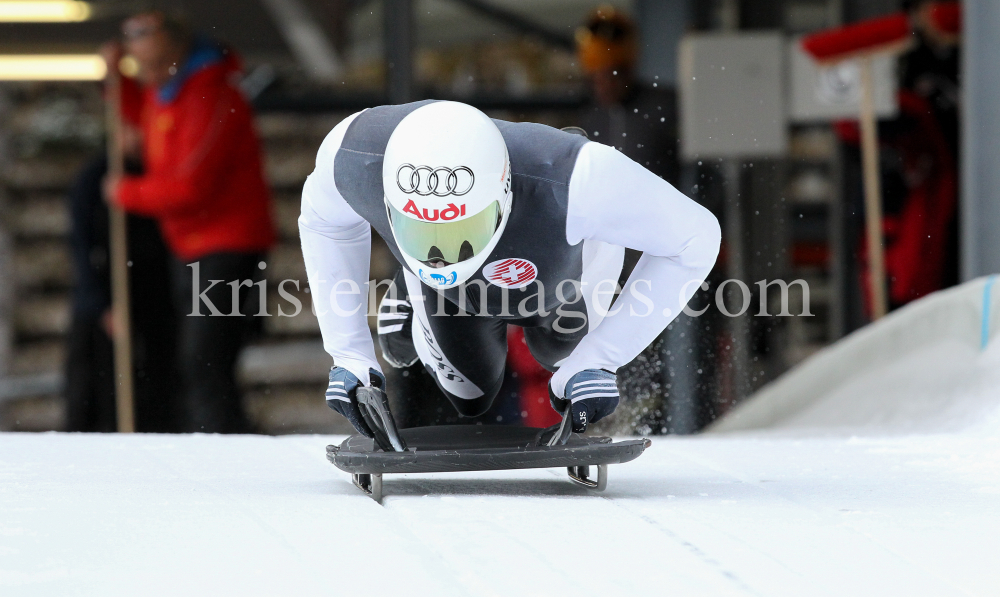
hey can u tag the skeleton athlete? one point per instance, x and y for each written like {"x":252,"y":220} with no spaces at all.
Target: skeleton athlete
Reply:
{"x":493,"y":223}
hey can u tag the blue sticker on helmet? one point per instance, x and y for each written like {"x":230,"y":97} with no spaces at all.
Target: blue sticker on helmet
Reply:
{"x":438,"y":279}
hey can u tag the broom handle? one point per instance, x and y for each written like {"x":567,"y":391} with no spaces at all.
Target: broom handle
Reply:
{"x":118,"y":233}
{"x":873,"y":190}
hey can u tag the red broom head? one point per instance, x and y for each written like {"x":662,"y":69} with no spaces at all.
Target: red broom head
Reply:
{"x":856,"y":38}
{"x":946,"y":17}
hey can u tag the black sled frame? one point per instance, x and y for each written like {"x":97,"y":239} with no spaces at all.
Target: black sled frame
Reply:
{"x":452,"y":448}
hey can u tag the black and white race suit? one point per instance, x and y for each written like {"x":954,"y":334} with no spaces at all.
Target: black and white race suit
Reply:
{"x":576,"y":206}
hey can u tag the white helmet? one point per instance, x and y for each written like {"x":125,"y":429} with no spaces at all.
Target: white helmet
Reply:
{"x":446,"y":177}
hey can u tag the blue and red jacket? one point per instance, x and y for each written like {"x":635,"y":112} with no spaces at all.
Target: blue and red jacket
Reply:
{"x":203,"y":180}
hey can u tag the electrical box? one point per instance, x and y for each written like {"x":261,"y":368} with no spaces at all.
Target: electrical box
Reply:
{"x":732,"y":88}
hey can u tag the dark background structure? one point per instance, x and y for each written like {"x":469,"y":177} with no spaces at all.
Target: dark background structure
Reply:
{"x":514,"y":59}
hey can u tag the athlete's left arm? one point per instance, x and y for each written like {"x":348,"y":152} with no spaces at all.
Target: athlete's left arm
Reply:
{"x":617,"y":201}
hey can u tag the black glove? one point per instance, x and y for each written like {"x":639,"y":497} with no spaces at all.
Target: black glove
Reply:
{"x":590,"y":396}
{"x":341,"y":395}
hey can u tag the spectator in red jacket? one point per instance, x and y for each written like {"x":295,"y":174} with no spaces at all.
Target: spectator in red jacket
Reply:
{"x":203,"y":183}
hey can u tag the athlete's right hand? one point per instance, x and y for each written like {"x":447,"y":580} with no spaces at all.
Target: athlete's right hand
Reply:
{"x":341,"y":395}
{"x":590,"y":396}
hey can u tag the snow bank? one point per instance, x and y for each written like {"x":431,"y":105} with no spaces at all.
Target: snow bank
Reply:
{"x":933,"y":366}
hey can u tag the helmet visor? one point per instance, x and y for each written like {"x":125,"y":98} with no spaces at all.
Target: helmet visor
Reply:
{"x":445,"y":243}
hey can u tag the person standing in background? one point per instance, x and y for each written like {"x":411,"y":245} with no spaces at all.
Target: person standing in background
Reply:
{"x":204,"y":185}
{"x":90,"y":387}
{"x":637,"y":119}
{"x":926,"y":139}
{"x":919,"y":162}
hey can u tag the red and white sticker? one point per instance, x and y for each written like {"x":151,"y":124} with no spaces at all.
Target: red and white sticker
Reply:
{"x":511,"y":273}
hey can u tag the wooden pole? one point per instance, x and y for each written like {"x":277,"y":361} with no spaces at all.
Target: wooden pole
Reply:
{"x":118,"y":236}
{"x":873,"y":190}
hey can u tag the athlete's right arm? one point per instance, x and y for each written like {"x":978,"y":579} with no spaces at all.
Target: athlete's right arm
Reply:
{"x":336,"y":246}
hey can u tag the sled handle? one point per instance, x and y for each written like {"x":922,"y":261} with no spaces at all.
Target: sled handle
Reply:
{"x":374,"y":407}
{"x":560,"y":433}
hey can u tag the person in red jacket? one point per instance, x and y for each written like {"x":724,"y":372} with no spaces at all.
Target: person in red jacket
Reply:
{"x":203,"y":183}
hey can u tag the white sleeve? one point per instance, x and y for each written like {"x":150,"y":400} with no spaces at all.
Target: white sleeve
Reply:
{"x":617,"y":201}
{"x":336,"y":246}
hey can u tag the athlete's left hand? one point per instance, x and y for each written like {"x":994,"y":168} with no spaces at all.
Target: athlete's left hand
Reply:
{"x":341,"y":395}
{"x":590,"y":396}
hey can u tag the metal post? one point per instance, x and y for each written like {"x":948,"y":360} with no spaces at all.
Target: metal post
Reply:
{"x":766,"y":240}
{"x":980,"y":208}
{"x":399,"y":41}
{"x":6,"y":256}
{"x":6,"y":298}
{"x":680,"y":378}
{"x":662,"y":23}
{"x":680,"y":358}
{"x":736,"y":248}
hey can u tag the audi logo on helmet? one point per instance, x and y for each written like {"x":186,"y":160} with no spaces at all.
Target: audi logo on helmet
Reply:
{"x":440,"y":182}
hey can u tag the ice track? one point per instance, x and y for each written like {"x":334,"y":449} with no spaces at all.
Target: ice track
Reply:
{"x":738,"y":514}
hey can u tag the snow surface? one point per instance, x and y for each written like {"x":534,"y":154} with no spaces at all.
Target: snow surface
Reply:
{"x":732,"y":514}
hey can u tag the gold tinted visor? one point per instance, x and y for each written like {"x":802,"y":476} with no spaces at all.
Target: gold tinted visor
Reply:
{"x":447,"y":242}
